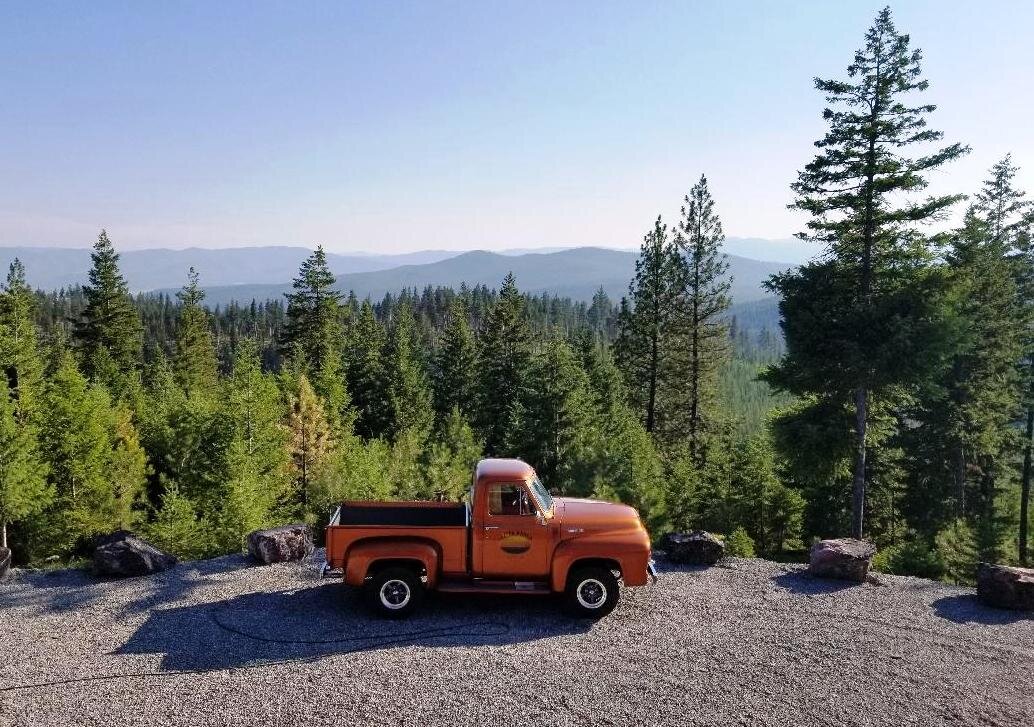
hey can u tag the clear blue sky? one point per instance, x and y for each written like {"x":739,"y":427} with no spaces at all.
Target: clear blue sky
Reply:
{"x":401,"y":126}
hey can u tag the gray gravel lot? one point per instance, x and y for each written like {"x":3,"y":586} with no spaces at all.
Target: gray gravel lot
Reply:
{"x":750,"y":642}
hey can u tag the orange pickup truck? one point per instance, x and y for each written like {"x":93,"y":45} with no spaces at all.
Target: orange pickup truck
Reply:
{"x":511,"y":536}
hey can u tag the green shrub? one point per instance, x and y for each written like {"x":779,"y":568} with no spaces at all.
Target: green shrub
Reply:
{"x":956,"y":547}
{"x":910,"y":558}
{"x":739,"y":544}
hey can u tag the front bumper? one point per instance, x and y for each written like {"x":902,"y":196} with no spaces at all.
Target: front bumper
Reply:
{"x":651,"y":568}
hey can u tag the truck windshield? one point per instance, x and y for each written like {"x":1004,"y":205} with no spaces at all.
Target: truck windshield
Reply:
{"x":542,"y":495}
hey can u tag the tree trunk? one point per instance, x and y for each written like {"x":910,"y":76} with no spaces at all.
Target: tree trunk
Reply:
{"x":958,"y":456}
{"x":3,"y":534}
{"x":651,"y":404}
{"x":861,"y":403}
{"x":1025,"y":486}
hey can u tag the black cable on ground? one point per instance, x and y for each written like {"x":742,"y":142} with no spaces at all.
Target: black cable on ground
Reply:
{"x":376,"y":641}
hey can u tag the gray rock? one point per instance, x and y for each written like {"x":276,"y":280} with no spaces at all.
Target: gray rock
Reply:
{"x":843,"y":558}
{"x":124,"y":554}
{"x":1004,"y":586}
{"x":5,"y":561}
{"x":277,"y":545}
{"x":695,"y":548}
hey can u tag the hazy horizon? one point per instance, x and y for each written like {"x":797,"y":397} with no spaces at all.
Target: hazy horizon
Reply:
{"x":393,"y":129}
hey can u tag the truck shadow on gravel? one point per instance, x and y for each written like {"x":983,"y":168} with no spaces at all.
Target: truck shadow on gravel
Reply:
{"x":73,"y":589}
{"x":312,"y":621}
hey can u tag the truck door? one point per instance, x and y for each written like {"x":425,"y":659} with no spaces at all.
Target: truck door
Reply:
{"x":510,"y":541}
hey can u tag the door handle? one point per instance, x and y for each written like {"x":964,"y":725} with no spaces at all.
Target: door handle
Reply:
{"x":491,"y":527}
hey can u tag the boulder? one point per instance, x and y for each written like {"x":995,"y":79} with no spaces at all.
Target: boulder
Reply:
{"x":696,"y":548}
{"x":1004,"y":586}
{"x":277,"y":545}
{"x":124,"y":554}
{"x":843,"y":558}
{"x":5,"y":561}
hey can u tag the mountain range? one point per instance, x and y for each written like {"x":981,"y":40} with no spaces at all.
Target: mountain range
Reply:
{"x":262,"y":273}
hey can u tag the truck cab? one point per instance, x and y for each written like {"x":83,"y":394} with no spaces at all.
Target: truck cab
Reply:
{"x":510,"y":536}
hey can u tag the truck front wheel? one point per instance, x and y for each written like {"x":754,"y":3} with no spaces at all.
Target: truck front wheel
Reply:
{"x":395,"y":592}
{"x":591,"y":592}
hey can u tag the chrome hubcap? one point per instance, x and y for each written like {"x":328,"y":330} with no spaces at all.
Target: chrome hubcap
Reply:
{"x":591,"y":593}
{"x":395,"y":594}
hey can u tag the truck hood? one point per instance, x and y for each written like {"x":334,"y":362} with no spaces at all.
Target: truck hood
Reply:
{"x":595,"y":515}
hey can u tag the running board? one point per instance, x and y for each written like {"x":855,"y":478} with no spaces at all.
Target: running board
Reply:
{"x":533,"y":588}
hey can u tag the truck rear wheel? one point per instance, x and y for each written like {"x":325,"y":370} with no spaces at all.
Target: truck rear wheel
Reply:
{"x":591,"y":592}
{"x":395,"y":592}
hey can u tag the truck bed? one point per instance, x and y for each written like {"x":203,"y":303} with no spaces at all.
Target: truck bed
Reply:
{"x":416,"y":514}
{"x":444,"y":523}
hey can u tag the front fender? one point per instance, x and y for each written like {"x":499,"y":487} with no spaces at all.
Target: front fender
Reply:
{"x":366,"y":553}
{"x":629,"y":549}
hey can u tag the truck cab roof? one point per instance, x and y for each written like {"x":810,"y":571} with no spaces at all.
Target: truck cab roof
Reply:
{"x":503,"y":469}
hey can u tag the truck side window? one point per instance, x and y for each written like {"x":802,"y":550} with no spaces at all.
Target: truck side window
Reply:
{"x":505,"y":499}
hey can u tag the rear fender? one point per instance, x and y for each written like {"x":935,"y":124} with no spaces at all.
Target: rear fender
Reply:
{"x":365,"y":554}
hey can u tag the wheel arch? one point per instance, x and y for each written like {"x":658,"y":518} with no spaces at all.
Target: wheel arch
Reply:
{"x":371,"y":555}
{"x":565,"y":565}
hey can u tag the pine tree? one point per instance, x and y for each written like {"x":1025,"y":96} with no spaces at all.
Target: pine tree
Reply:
{"x":366,"y":377}
{"x":258,"y":463}
{"x":451,"y":458}
{"x":983,"y":386}
{"x":505,"y":365}
{"x":76,"y":442}
{"x":557,"y":436}
{"x":127,"y":471}
{"x":409,"y":400}
{"x":24,"y":490}
{"x":1010,"y":222}
{"x":177,"y":527}
{"x":313,"y":329}
{"x":704,"y":350}
{"x":195,"y":363}
{"x":109,"y":331}
{"x":770,"y":513}
{"x":456,"y":369}
{"x":310,"y":438}
{"x":857,"y":190}
{"x":646,"y":343}
{"x":19,"y":346}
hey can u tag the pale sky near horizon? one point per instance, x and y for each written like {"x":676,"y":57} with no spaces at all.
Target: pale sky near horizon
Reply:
{"x":396,"y":127}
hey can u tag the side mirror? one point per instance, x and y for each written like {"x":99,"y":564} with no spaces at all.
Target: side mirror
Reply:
{"x":540,"y":518}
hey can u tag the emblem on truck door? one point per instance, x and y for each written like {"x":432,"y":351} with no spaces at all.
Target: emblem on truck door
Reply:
{"x":515,"y":543}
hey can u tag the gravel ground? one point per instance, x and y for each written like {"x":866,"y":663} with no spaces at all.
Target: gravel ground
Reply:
{"x":747,"y":643}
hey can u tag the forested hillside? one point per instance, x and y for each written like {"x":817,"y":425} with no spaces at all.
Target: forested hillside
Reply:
{"x":897,"y":404}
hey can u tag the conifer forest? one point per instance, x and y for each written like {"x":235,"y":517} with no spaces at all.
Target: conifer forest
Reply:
{"x":895,"y":400}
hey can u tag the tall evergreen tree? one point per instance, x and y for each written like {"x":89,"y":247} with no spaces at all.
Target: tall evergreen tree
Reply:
{"x":313,"y":326}
{"x":19,"y":345}
{"x":646,"y":344}
{"x":313,"y":334}
{"x":109,"y":331}
{"x":505,"y":365}
{"x":195,"y":363}
{"x":556,"y":432}
{"x":366,"y":377}
{"x":1009,"y":219}
{"x":455,"y":370}
{"x":1025,"y":266}
{"x":310,"y":439}
{"x":409,"y":400}
{"x":24,"y":490}
{"x":705,"y":348}
{"x":76,"y":442}
{"x":857,"y":191}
